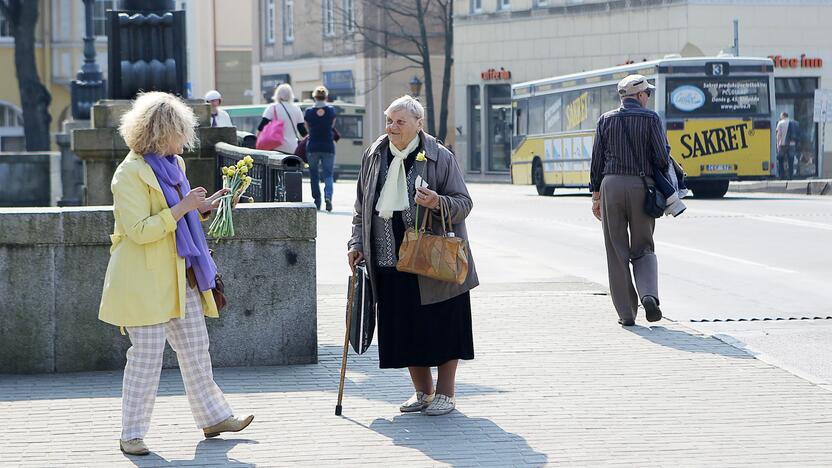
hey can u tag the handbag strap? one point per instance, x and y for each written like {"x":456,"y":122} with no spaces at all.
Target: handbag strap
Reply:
{"x":289,"y":116}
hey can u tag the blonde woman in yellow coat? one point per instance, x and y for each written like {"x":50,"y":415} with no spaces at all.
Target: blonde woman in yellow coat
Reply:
{"x":159,"y":279}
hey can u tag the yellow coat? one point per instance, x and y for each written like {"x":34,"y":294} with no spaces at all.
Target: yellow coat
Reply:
{"x":145,"y":281}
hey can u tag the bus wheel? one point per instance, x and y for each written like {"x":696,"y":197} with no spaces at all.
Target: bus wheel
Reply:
{"x":710,"y":189}
{"x":538,"y":180}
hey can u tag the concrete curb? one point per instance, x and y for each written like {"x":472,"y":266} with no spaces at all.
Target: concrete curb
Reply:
{"x":796,"y":187}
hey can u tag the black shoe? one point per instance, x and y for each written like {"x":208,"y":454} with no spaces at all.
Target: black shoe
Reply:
{"x":651,"y":306}
{"x":318,"y":204}
{"x":328,"y":205}
{"x":626,"y":323}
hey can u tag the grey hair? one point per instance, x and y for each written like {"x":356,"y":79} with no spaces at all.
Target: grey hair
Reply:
{"x":283,"y":93}
{"x":408,"y":103}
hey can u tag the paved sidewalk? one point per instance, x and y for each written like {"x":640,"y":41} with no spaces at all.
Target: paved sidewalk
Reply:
{"x":556,"y":381}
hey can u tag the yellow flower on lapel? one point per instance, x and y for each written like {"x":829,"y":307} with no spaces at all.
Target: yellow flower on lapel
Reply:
{"x":421,"y":156}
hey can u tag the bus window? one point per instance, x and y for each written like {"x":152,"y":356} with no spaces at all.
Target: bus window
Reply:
{"x":717,"y":96}
{"x":536,"y":115}
{"x":350,"y":126}
{"x":593,"y":109}
{"x":582,"y":109}
{"x":521,"y":112}
{"x":552,"y":114}
{"x":609,"y":98}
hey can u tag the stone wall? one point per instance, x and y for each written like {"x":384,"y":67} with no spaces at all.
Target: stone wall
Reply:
{"x":52,"y":265}
{"x":29,"y":179}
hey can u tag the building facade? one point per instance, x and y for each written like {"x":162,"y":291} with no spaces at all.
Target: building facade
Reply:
{"x":317,"y":42}
{"x":500,"y":42}
{"x":224,"y":64}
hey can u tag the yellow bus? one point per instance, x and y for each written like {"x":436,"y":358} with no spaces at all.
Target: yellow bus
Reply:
{"x":349,"y":122}
{"x":718,"y":113}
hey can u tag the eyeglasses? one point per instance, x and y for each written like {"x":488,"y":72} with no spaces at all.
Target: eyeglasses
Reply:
{"x":649,"y":92}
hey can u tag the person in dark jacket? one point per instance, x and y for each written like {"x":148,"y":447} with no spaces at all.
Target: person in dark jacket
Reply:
{"x":320,"y":150}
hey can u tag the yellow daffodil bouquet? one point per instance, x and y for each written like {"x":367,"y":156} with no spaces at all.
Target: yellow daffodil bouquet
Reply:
{"x":235,"y":179}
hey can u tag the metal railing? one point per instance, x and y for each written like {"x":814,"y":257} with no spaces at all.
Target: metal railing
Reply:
{"x":275,"y":176}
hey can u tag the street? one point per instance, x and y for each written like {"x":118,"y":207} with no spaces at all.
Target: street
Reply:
{"x":759,"y":260}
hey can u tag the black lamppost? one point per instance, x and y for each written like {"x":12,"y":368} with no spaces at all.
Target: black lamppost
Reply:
{"x":415,"y":86}
{"x":89,"y":86}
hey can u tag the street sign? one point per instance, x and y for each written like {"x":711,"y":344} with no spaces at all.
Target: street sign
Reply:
{"x":823,"y":105}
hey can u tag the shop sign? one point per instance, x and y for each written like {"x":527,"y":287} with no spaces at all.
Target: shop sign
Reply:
{"x":793,"y":62}
{"x":496,"y":75}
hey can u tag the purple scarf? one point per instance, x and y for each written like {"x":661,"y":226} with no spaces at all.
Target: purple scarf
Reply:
{"x":190,"y":238}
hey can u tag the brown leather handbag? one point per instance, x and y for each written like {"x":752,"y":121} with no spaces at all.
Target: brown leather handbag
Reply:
{"x":442,"y":257}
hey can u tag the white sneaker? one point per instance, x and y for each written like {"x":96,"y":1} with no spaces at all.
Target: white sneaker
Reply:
{"x":133,"y":447}
{"x":417,"y":402}
{"x":442,"y":404}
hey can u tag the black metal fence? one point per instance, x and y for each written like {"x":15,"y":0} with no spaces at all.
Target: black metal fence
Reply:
{"x":275,"y":176}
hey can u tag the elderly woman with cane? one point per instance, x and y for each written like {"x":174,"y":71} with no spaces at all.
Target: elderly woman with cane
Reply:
{"x":160,"y":276}
{"x":422,"y":322}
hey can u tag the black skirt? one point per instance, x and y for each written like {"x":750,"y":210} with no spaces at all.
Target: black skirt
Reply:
{"x":414,"y":335}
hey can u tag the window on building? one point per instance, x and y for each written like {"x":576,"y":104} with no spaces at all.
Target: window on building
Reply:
{"x":349,"y":16}
{"x":99,"y":16}
{"x":288,"y":20}
{"x":541,"y":3}
{"x":329,"y":17}
{"x":503,"y":4}
{"x":476,"y":6}
{"x":5,"y":27}
{"x":11,"y":129}
{"x":270,"y":22}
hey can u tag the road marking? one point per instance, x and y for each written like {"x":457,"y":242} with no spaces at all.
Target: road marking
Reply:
{"x":597,"y":232}
{"x":725,"y":257}
{"x":767,"y":219}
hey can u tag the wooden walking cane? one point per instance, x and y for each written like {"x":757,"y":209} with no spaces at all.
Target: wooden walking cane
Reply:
{"x":353,"y":281}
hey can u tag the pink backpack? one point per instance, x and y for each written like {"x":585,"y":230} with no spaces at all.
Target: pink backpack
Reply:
{"x":272,"y":135}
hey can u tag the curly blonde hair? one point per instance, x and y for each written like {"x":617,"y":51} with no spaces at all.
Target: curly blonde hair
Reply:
{"x":157,"y":121}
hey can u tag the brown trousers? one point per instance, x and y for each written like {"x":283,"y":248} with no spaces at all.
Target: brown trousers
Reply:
{"x":628,"y":238}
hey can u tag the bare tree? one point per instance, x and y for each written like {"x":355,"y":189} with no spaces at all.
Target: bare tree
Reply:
{"x":412,"y":29}
{"x":22,"y":16}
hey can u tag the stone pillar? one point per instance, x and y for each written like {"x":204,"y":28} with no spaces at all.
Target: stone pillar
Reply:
{"x":102,"y":149}
{"x":72,"y":168}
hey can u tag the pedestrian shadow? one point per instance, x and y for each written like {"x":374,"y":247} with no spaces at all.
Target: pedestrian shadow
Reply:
{"x":209,"y":452}
{"x":689,"y":342}
{"x":458,"y":440}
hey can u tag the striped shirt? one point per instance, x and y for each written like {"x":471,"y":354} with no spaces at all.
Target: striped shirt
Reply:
{"x":611,"y":153}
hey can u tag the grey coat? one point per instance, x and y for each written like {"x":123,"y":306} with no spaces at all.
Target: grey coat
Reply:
{"x":443,"y":175}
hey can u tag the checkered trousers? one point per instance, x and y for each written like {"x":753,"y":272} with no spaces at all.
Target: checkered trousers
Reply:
{"x":189,"y":339}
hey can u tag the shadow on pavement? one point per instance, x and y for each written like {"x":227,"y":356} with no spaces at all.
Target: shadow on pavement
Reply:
{"x":458,"y":440}
{"x":364,"y":379}
{"x":690,"y":342}
{"x":209,"y":452}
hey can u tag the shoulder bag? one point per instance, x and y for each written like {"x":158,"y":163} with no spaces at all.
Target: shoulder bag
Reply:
{"x":654,"y":202}
{"x":441,"y":257}
{"x":272,"y":135}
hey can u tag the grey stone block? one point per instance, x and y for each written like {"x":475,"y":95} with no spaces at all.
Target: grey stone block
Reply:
{"x":27,"y":321}
{"x":53,"y":261}
{"x":82,"y":342}
{"x":25,"y":179}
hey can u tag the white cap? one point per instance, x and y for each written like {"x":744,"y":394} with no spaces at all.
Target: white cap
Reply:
{"x":213,"y":95}
{"x":633,"y":84}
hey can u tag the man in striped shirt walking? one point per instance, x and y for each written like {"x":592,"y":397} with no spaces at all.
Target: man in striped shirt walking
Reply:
{"x":629,"y":142}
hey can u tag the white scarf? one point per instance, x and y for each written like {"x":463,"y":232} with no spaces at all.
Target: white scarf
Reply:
{"x":394,"y":192}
